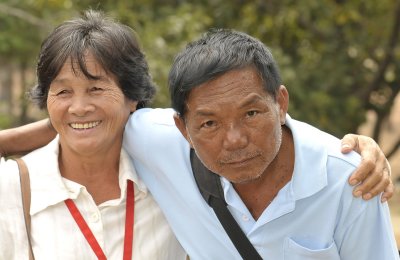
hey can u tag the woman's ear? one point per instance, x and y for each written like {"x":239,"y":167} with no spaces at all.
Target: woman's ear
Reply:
{"x":132,"y":105}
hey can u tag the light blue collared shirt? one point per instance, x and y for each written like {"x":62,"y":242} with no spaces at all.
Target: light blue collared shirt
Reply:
{"x":314,"y":216}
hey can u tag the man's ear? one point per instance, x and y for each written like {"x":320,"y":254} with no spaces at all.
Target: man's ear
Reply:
{"x":181,"y":125}
{"x":283,"y":101}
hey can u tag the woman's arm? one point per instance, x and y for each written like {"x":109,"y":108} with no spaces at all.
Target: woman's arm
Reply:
{"x":372,"y":176}
{"x":23,"y":139}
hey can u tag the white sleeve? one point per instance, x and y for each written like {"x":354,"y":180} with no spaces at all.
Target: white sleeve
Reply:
{"x":371,"y":235}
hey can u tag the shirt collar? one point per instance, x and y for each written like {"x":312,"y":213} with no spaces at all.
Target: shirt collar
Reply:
{"x":128,"y":172}
{"x":310,"y":173}
{"x":48,"y":187}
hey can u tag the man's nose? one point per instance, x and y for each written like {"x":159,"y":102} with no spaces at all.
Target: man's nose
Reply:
{"x":235,"y":137}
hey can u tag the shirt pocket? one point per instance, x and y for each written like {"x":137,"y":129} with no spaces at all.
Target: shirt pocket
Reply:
{"x":294,"y":251}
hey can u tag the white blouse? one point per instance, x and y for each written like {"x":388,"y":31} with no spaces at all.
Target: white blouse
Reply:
{"x":55,"y":234}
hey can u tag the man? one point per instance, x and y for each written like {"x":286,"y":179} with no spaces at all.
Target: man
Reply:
{"x":161,"y":157}
{"x":284,"y":182}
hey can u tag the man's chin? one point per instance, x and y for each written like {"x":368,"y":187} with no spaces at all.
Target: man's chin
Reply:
{"x":248,"y":179}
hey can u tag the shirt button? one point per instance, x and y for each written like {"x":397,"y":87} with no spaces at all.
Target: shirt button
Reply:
{"x":94,"y":217}
{"x":245,"y":218}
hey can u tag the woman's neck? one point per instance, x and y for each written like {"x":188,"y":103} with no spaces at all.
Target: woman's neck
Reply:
{"x":98,"y":173}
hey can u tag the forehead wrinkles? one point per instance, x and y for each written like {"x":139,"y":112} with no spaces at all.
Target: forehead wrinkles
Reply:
{"x":225,"y":86}
{"x":242,"y":77}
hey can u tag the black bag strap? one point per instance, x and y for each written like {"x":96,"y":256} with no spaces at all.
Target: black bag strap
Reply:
{"x":26,"y":200}
{"x":211,"y":189}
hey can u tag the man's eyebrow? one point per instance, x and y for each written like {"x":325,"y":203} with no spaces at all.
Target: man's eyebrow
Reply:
{"x":251,"y":99}
{"x":203,"y":113}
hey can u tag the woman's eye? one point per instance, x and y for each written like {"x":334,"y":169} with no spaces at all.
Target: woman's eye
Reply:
{"x":95,"y":89}
{"x":62,"y":92}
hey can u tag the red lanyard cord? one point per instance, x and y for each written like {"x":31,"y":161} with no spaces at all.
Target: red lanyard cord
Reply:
{"x":129,"y":223}
{"x":83,"y":226}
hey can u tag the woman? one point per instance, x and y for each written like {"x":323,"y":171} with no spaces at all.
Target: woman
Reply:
{"x":91,"y":77}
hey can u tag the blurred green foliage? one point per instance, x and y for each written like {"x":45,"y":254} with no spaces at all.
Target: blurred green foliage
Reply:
{"x":337,"y":58}
{"x":5,"y":121}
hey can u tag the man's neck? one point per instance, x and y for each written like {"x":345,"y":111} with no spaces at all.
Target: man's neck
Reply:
{"x":258,"y":194}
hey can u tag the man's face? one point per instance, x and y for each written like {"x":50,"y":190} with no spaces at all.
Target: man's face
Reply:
{"x":234,"y":124}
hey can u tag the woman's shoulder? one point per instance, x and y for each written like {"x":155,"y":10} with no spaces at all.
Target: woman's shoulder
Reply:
{"x":9,"y":179}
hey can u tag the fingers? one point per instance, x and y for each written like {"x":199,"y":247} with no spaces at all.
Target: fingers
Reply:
{"x":373,"y":173}
{"x":350,"y":143}
{"x":389,"y":191}
{"x":365,"y":169}
{"x":367,"y":182}
{"x":373,"y":186}
{"x":373,"y":159}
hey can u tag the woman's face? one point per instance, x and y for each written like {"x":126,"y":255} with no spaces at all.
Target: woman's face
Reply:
{"x":89,"y":115}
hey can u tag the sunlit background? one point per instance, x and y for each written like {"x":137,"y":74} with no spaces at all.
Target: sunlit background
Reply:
{"x":339,"y":59}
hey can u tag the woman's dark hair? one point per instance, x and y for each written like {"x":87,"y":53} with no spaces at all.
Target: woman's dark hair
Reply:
{"x":114,"y":45}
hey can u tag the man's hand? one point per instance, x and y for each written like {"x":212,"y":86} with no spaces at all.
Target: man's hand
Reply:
{"x":373,"y":174}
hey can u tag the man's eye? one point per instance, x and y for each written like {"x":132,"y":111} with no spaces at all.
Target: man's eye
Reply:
{"x":208,"y":124}
{"x":251,"y":113}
